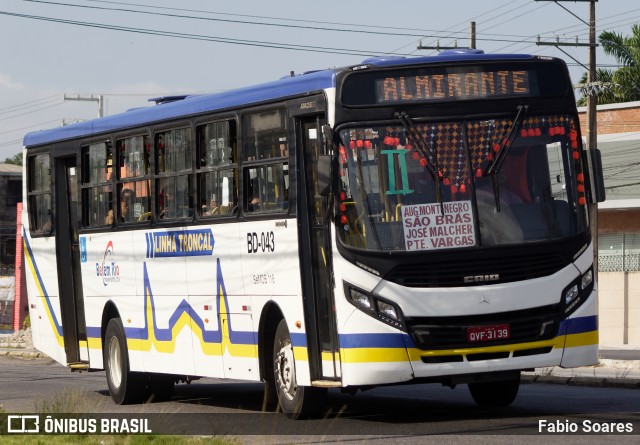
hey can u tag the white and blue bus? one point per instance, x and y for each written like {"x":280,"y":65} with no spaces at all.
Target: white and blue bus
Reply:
{"x":403,"y":220}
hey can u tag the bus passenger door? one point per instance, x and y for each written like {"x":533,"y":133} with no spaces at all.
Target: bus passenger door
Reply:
{"x":315,"y":256}
{"x":68,"y":259}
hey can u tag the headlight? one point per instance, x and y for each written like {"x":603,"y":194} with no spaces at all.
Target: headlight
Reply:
{"x":360,"y":299}
{"x":387,"y":309}
{"x":384,"y":310}
{"x":571,"y":294}
{"x":577,"y":292}
{"x":586,"y":280}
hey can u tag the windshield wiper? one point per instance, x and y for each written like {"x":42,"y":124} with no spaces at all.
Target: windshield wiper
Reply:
{"x":430,"y":155}
{"x":494,"y":168}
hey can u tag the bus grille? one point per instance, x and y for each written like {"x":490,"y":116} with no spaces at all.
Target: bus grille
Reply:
{"x":498,"y":269}
{"x":451,"y":332}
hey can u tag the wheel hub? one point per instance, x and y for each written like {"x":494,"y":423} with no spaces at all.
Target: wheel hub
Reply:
{"x":285,"y":371}
{"x":115,"y":367}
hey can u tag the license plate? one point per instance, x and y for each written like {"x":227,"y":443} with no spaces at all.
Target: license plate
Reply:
{"x":488,"y":333}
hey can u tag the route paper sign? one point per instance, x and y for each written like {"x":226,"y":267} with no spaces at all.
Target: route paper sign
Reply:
{"x":427,"y":228}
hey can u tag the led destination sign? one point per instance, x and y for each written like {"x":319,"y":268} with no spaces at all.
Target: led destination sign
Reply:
{"x":452,"y":85}
{"x":441,"y":83}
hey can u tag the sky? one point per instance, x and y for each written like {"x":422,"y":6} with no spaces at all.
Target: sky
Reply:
{"x":128,"y":51}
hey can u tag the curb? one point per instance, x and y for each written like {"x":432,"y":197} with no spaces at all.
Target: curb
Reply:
{"x":598,"y":382}
{"x":22,"y":353}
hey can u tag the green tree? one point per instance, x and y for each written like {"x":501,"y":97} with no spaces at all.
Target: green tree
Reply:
{"x":15,"y":159}
{"x":625,"y":81}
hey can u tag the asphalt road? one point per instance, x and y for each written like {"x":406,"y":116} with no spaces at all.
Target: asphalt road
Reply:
{"x":401,"y":414}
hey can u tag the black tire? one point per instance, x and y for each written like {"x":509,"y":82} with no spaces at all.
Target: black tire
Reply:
{"x":295,"y":401}
{"x":124,"y":386}
{"x":495,"y":394}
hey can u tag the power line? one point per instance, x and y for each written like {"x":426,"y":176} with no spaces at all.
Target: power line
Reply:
{"x":392,"y":31}
{"x":33,"y":111}
{"x":32,"y":103}
{"x":275,"y":45}
{"x":40,"y":125}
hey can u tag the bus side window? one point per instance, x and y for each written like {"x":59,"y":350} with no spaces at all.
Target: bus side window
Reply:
{"x":266,"y":167}
{"x":97,"y":163}
{"x":39,"y":193}
{"x":132,"y":202}
{"x":173,"y":150}
{"x":217,"y":170}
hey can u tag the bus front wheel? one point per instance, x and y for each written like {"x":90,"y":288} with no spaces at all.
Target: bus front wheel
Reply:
{"x":124,"y":386}
{"x":495,"y":394}
{"x":294,"y":400}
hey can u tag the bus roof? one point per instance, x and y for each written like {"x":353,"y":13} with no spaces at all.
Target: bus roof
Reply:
{"x":185,"y":106}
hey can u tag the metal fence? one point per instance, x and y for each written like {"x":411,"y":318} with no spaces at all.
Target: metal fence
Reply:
{"x":619,"y":253}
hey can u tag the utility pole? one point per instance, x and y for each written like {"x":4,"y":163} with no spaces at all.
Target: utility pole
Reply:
{"x":437,"y":46}
{"x":592,"y":112}
{"x":472,"y":40}
{"x":592,"y":100}
{"x":92,"y":98}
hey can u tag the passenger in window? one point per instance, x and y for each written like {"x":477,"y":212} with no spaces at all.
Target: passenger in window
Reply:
{"x":213,"y":208}
{"x":254,"y":204}
{"x":127,"y":201}
{"x":166,"y":205}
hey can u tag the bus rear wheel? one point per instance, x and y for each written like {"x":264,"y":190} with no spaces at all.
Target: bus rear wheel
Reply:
{"x":495,"y":394}
{"x":294,"y":400}
{"x":124,"y":386}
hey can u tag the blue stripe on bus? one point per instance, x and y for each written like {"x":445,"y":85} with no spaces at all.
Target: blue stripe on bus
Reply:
{"x":94,"y":332}
{"x":348,"y":341}
{"x":579,"y":325}
{"x":298,"y":340}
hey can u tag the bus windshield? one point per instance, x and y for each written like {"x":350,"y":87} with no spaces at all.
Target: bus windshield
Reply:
{"x":437,"y":185}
